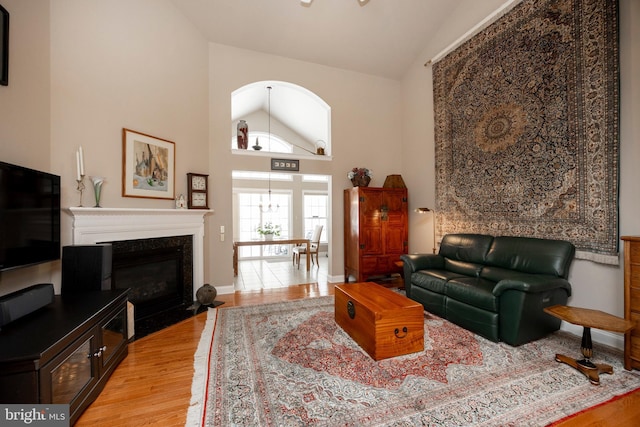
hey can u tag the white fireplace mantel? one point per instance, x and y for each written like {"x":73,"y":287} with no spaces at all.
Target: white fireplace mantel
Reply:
{"x":102,"y":225}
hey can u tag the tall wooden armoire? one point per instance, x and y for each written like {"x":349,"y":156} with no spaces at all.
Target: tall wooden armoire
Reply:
{"x":376,"y":231}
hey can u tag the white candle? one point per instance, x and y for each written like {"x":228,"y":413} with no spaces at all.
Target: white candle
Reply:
{"x":78,"y":166}
{"x":81,"y":161}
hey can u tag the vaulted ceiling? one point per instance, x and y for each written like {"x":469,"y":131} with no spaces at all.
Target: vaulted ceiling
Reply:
{"x":380,"y":37}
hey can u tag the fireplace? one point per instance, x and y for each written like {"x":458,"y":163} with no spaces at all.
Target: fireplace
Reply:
{"x":158,"y":273}
{"x":93,"y":225}
{"x":135,"y":225}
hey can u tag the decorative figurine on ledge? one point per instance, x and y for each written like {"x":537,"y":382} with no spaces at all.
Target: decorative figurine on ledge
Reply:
{"x":243,"y":135}
{"x":181,"y":202}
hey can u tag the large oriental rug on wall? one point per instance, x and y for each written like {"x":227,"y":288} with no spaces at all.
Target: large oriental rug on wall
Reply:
{"x":526,"y":115}
{"x":289,"y":364}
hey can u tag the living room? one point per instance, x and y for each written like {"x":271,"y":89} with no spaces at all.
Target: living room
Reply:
{"x":80,"y":71}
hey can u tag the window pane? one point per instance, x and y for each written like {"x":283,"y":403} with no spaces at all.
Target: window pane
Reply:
{"x":265,"y":176}
{"x":272,"y":144}
{"x":315,"y":178}
{"x":316,"y":210}
{"x":250,"y":215}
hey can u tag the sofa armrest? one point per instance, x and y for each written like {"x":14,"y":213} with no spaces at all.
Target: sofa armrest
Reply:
{"x":532,"y":284}
{"x":417,"y":262}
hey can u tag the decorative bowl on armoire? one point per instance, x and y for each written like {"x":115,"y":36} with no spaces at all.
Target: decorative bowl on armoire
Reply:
{"x":360,"y":177}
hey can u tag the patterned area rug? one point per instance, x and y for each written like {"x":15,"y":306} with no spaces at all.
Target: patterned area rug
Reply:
{"x":526,"y":127}
{"x":289,"y":364}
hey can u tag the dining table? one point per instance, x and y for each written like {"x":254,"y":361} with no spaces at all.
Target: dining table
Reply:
{"x":292,"y":241}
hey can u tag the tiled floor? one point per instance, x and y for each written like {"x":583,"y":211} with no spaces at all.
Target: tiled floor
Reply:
{"x":278,"y":273}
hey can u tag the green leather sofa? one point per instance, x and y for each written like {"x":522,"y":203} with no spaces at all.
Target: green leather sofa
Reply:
{"x":496,"y":287}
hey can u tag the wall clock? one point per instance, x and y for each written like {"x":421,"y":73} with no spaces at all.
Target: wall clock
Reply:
{"x":197,"y":194}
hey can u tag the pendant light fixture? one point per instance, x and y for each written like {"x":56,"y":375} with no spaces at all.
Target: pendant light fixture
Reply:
{"x":270,"y":207}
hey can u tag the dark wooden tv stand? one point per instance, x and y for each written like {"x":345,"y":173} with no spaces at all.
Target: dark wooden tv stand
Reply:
{"x":64,"y":352}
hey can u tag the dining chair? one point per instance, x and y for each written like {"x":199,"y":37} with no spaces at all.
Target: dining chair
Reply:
{"x":302,"y":249}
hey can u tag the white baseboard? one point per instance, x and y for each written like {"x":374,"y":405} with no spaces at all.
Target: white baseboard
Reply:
{"x":336,"y":279}
{"x":597,"y":336}
{"x":223,"y":290}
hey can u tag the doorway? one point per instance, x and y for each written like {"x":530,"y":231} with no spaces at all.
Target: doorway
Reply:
{"x":298,"y":203}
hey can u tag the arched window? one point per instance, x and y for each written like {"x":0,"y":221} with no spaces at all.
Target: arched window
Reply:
{"x":271,"y":144}
{"x":290,"y":114}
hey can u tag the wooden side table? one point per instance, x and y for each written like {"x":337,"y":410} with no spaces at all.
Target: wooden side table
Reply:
{"x":588,"y":319}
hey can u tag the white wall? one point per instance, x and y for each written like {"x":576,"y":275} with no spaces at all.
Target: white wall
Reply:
{"x":81,"y":71}
{"x":595,"y":285}
{"x":366,"y":132}
{"x":25,"y":113}
{"x":120,"y":64}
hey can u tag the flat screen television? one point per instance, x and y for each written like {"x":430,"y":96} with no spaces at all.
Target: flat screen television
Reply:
{"x":29,"y":216}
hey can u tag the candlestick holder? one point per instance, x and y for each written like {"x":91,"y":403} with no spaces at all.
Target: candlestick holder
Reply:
{"x":80,"y":188}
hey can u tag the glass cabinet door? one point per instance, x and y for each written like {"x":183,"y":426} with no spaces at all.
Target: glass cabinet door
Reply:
{"x":67,"y":375}
{"x":72,"y":375}
{"x":114,"y":336}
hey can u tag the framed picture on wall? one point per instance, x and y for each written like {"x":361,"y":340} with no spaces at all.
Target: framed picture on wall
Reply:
{"x":148,"y":166}
{"x":4,"y":47}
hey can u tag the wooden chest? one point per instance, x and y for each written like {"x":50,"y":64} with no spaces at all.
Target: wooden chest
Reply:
{"x":384,"y":323}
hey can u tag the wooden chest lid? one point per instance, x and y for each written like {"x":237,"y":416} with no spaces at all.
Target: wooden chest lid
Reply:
{"x":376,"y":298}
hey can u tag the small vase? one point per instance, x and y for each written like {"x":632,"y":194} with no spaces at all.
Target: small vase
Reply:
{"x":268,"y":237}
{"x":243,"y":135}
{"x":360,"y":181}
{"x":97,"y":188}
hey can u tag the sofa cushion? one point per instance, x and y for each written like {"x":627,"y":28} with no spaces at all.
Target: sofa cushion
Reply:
{"x":474,"y":291}
{"x":531,"y":255}
{"x":462,"y":267}
{"x":497,"y":274}
{"x":465,"y":247}
{"x":433,"y":280}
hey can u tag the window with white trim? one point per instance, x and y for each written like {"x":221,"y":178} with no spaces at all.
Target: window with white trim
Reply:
{"x":251,"y":212}
{"x":316,"y":211}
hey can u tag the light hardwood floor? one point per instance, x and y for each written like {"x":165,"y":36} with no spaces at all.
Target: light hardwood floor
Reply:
{"x":152,"y":386}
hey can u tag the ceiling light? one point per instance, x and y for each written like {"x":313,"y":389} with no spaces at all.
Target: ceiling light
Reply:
{"x":270,"y":207}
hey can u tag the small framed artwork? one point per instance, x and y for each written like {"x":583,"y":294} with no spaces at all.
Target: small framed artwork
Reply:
{"x":148,"y":166}
{"x":285,"y":165}
{"x":4,"y":47}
